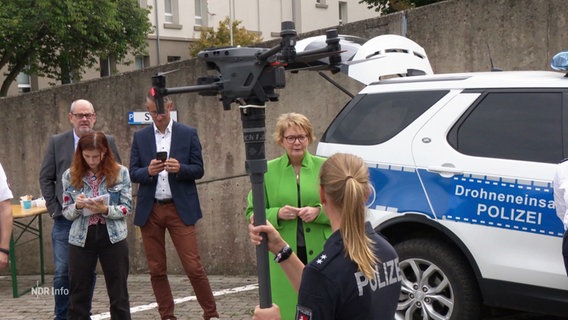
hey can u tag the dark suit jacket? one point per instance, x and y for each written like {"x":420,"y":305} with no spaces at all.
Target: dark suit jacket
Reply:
{"x":57,"y":159}
{"x":186,"y":148}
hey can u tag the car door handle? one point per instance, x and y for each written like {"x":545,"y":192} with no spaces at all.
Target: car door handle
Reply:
{"x":446,"y":171}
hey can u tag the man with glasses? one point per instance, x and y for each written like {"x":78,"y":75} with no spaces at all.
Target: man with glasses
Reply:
{"x":57,"y":159}
{"x":168,"y":200}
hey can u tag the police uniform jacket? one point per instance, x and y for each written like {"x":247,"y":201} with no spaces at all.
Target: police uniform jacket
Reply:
{"x":332,"y":288}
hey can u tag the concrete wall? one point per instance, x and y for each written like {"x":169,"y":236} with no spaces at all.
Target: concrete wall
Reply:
{"x":520,"y":34}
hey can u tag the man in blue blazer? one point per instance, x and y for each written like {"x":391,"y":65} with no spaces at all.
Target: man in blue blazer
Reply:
{"x":58,"y":157}
{"x":167,"y":199}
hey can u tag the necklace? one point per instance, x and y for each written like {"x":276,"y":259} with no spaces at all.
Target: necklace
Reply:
{"x":93,"y":175}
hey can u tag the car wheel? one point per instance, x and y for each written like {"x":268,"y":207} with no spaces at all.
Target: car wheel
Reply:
{"x":437,"y":283}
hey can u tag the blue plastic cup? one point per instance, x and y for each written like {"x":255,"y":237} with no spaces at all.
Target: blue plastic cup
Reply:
{"x":27,"y":204}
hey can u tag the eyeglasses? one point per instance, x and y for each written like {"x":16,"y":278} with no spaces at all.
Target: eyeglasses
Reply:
{"x":292,"y":139}
{"x":155,"y":113}
{"x":80,"y":116}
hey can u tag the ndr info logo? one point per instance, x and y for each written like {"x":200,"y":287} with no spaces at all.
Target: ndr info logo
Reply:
{"x":48,"y":291}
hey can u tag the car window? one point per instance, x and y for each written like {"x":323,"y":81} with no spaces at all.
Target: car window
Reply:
{"x":512,"y":125}
{"x":375,"y":118}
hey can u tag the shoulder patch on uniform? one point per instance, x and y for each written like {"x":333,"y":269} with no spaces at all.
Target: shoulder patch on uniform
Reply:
{"x":320,"y":261}
{"x":303,"y":313}
{"x":330,"y":252}
{"x":321,"y":258}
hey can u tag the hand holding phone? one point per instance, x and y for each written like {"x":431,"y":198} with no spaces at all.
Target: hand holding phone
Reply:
{"x":162,"y":156}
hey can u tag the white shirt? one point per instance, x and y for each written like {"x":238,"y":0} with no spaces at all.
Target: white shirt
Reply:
{"x":560,"y":184}
{"x":163,"y":142}
{"x":5,"y":192}
{"x":75,"y":140}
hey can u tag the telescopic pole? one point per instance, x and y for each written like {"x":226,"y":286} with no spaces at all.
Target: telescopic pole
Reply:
{"x":254,"y":133}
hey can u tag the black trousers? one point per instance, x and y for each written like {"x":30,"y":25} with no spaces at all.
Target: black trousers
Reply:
{"x":115,"y":264}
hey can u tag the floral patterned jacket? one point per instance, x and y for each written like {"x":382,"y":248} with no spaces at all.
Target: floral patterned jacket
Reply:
{"x":119,"y":208}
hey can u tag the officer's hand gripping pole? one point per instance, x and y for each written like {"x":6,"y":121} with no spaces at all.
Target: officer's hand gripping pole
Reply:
{"x":249,"y":76}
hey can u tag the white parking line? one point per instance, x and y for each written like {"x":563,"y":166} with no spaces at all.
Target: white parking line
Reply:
{"x":106,"y":315}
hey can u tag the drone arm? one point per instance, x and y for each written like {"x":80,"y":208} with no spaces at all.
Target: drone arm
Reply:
{"x":332,"y":50}
{"x":196,"y":88}
{"x":267,"y":54}
{"x":161,"y":92}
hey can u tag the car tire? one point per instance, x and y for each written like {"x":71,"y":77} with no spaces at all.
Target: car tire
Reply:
{"x":437,"y":282}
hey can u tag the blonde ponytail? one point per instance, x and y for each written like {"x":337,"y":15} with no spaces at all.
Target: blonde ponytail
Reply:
{"x":345,"y":178}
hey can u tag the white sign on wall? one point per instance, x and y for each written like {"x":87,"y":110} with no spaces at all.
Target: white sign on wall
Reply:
{"x":143,"y":117}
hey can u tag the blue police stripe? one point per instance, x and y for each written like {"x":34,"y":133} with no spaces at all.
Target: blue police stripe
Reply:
{"x":525,"y":206}
{"x":398,"y":189}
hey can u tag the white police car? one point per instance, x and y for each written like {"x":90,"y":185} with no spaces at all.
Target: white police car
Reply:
{"x":461,"y":166}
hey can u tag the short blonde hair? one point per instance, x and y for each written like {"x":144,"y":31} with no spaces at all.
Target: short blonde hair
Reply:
{"x":287,"y":120}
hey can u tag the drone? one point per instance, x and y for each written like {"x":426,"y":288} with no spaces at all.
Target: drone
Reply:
{"x":248,"y":75}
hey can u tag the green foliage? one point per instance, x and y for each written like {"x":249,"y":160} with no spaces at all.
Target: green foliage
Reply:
{"x":390,"y":6}
{"x":60,"y":38}
{"x":222,"y":37}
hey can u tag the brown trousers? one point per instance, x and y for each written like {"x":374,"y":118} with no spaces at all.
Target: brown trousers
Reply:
{"x":184,"y":239}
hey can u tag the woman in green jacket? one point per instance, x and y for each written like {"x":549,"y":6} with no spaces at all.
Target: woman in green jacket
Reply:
{"x":292,"y":202}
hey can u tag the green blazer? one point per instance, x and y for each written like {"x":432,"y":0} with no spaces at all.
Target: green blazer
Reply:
{"x":281,"y":189}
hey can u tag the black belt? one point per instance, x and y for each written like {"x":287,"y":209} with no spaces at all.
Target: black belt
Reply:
{"x":164,"y":201}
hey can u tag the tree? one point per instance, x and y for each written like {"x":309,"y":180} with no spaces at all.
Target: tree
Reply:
{"x":390,"y":6}
{"x":221,"y":38}
{"x":59,"y":39}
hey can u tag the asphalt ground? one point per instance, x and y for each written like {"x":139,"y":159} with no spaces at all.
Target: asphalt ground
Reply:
{"x":236,"y":297}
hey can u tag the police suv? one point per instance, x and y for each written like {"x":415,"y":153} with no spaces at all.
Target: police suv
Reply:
{"x":461,"y":168}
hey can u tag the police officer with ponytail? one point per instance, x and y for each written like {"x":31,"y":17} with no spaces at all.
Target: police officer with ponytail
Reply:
{"x":357,"y":275}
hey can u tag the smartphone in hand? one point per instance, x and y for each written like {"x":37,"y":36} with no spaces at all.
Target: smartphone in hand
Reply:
{"x":162,"y":156}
